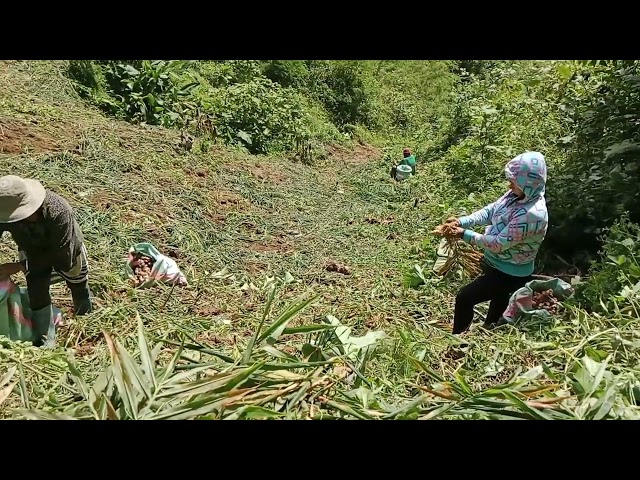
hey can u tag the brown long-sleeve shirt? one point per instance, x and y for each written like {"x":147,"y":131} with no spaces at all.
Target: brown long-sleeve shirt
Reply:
{"x":54,"y":240}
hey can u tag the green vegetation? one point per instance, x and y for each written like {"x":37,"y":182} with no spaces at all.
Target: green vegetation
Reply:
{"x":264,"y":330}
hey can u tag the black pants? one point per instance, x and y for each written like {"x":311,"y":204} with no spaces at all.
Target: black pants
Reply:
{"x":38,"y":284}
{"x":494,"y":286}
{"x":41,"y":278}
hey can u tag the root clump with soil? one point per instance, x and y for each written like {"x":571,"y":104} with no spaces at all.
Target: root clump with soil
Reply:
{"x":142,"y":267}
{"x":463,"y":254}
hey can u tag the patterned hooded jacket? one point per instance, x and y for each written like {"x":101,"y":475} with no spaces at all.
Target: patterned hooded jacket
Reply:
{"x":516,"y":228}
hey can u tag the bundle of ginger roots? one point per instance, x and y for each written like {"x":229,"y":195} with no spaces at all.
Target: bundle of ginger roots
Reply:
{"x":463,"y":254}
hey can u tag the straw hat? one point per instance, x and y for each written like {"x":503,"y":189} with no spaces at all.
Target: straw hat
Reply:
{"x":19,"y":198}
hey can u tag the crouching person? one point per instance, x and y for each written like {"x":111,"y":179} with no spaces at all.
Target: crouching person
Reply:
{"x":51,"y":248}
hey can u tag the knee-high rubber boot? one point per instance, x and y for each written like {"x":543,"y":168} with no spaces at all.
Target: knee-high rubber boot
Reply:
{"x":44,"y":331}
{"x":81,"y":298}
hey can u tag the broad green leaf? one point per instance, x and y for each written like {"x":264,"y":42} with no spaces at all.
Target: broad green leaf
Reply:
{"x":256,"y":334}
{"x":628,"y":242}
{"x":277,"y":353}
{"x":349,"y":410}
{"x":408,"y":407}
{"x":245,"y":137}
{"x":185,"y":374}
{"x":190,"y":410}
{"x":277,"y":327}
{"x":605,"y":403}
{"x":76,"y":376}
{"x":306,"y":329}
{"x":145,"y":355}
{"x":463,"y":384}
{"x":125,"y":391}
{"x":136,"y":378}
{"x":582,"y":381}
{"x":364,"y":395}
{"x":211,"y":384}
{"x":535,"y":413}
{"x":598,"y":376}
{"x":365,"y":342}
{"x":438,"y":411}
{"x":423,"y":366}
{"x":565,"y":71}
{"x":131,"y":70}
{"x":257,"y":412}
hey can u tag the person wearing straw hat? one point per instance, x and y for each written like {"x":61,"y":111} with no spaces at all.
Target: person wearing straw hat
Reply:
{"x":51,"y":249}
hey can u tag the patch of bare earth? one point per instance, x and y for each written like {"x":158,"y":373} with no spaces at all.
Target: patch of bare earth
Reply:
{"x":197,"y":173}
{"x":358,"y":155}
{"x":103,"y":201}
{"x":268,"y":172}
{"x":265,"y":171}
{"x":379,"y":221}
{"x":18,"y":136}
{"x":254,"y":267}
{"x":224,"y":203}
{"x":214,"y":339}
{"x":276,"y":245}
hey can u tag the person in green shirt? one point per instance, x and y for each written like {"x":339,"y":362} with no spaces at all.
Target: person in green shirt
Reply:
{"x":409,"y":159}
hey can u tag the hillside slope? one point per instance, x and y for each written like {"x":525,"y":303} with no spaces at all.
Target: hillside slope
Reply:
{"x":232,"y":221}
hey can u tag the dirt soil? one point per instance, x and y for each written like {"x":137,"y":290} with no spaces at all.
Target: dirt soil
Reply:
{"x":17,"y":136}
{"x":269,"y":172}
{"x":276,"y":245}
{"x":361,"y":154}
{"x":254,"y":267}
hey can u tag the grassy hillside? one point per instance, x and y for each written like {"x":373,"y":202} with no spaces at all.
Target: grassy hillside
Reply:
{"x":255,"y":234}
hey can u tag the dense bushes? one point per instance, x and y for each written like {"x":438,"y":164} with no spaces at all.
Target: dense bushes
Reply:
{"x":275,"y":106}
{"x":585,"y":118}
{"x":259,"y":114}
{"x":598,"y":181}
{"x":616,"y":278}
{"x":341,"y":88}
{"x":288,"y":73}
{"x":139,"y":90}
{"x":509,"y":109}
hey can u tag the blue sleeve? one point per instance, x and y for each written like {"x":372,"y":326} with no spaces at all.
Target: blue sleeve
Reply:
{"x":481,"y":217}
{"x":512,"y":234}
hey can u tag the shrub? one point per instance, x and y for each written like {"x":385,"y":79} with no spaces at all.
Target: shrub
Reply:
{"x":341,"y":89}
{"x":597,"y":183}
{"x":138,"y":91}
{"x":615,"y":278}
{"x":288,"y":73}
{"x":511,"y":108}
{"x":260,"y":115}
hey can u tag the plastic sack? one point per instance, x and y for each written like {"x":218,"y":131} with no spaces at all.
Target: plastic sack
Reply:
{"x":521,"y":301}
{"x":165,"y":269}
{"x":15,"y":313}
{"x":445,"y":254}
